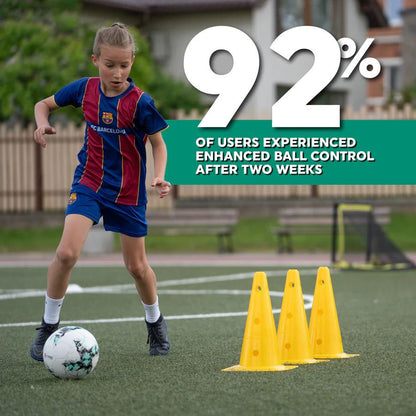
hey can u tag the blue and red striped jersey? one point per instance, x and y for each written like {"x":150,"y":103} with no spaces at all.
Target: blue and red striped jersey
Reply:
{"x":112,"y":161}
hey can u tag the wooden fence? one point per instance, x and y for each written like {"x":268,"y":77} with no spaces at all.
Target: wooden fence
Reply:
{"x":36,"y":179}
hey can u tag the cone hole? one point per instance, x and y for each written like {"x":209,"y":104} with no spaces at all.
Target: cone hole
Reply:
{"x":259,"y":288}
{"x":322,"y":282}
{"x":292,"y":284}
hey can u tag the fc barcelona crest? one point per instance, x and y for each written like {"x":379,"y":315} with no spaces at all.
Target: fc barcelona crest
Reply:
{"x":72,"y":198}
{"x":107,"y":118}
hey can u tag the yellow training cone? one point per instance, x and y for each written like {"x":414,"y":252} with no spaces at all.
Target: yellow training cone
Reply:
{"x":325,"y":335}
{"x":259,"y":351}
{"x":293,"y":334}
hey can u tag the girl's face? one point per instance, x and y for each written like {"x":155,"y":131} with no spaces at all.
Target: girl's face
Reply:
{"x":114,"y":66}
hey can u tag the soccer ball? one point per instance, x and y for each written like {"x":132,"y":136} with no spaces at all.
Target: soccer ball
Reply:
{"x":71,"y":352}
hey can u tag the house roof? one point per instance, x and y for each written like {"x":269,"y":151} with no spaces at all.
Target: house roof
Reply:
{"x":371,"y":8}
{"x":176,"y":6}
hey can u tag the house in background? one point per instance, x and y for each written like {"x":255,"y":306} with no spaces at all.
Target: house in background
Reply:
{"x":395,"y":48}
{"x":388,"y":51}
{"x":409,"y":41}
{"x":171,"y":24}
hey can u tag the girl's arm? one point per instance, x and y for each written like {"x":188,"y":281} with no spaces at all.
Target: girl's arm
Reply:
{"x":42,"y":110}
{"x":160,"y":157}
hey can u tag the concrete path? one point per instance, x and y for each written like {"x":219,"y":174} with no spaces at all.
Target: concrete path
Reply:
{"x":260,"y":260}
{"x":194,"y":259}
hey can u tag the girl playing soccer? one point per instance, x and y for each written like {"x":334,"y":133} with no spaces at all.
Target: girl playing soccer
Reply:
{"x":109,"y":180}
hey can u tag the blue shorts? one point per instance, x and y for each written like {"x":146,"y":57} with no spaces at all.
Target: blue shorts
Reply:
{"x":125,"y":219}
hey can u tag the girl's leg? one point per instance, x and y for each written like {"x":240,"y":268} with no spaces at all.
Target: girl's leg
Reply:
{"x":134,"y":254}
{"x":75,"y":233}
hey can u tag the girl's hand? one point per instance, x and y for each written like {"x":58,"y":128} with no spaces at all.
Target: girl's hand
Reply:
{"x":41,"y":132}
{"x":162,"y":186}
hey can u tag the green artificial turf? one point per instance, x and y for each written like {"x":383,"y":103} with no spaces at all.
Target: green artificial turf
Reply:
{"x":376,"y":318}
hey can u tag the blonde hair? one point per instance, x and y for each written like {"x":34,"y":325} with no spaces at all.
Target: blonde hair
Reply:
{"x":116,"y":35}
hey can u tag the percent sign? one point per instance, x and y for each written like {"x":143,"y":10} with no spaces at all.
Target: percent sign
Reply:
{"x":369,"y":67}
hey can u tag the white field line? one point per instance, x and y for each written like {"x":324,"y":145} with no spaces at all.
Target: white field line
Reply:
{"x":126,"y":289}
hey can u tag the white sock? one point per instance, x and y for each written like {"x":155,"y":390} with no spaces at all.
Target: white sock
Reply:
{"x":152,"y":311}
{"x":52,"y":309}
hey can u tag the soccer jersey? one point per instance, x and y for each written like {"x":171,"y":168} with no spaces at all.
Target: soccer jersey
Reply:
{"x":112,"y":161}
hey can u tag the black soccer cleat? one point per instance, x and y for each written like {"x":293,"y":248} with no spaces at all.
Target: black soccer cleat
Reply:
{"x":44,"y":332}
{"x":158,"y":337}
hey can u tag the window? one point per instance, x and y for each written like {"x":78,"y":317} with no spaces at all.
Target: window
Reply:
{"x":322,"y":13}
{"x":327,"y":14}
{"x":395,"y":78}
{"x":291,"y":14}
{"x":392,"y":81}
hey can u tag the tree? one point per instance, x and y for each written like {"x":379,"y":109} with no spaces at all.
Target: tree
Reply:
{"x":45,"y":45}
{"x":409,"y":94}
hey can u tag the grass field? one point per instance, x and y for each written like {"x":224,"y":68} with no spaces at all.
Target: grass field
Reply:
{"x":376,"y":315}
{"x":251,"y":234}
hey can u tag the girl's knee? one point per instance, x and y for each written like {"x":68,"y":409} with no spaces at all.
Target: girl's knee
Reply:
{"x":67,"y":257}
{"x":137,"y":269}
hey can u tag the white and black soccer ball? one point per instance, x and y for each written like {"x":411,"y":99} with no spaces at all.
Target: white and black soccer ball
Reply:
{"x":71,"y":352}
